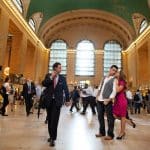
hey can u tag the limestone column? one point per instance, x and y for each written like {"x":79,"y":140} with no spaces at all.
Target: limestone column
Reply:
{"x":38,"y":64}
{"x":137,"y":67}
{"x":46,"y":61}
{"x":43,"y":63}
{"x":4,"y":27}
{"x":148,"y":61}
{"x":71,"y":66}
{"x":22,"y":54}
{"x":99,"y":55}
{"x":125,"y":63}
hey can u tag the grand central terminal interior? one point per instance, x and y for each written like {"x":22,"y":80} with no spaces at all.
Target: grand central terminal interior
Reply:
{"x":86,"y":37}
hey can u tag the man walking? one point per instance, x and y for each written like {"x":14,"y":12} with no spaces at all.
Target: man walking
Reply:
{"x":56,"y":86}
{"x":28,"y":93}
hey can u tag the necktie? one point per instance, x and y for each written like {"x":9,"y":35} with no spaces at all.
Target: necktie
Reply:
{"x":29,"y":88}
{"x":54,"y":82}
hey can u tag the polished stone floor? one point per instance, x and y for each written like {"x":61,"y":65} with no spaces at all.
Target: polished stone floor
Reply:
{"x":76,"y":132}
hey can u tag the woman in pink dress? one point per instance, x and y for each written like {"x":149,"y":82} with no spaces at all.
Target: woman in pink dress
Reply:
{"x":120,"y":104}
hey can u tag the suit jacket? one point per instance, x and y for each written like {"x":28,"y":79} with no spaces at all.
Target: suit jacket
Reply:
{"x":58,"y":92}
{"x":25,"y":90}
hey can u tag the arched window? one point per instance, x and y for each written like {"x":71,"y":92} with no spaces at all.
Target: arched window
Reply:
{"x":149,"y":3}
{"x":143,"y":25}
{"x":85,"y":59}
{"x":58,"y":53}
{"x":112,"y":55}
{"x":32,"y":24}
{"x":18,"y":4}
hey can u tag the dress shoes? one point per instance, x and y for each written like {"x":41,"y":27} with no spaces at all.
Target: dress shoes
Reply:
{"x":4,"y":115}
{"x":46,"y":121}
{"x":78,"y":109}
{"x":70,"y":110}
{"x":82,"y":113}
{"x":99,"y":135}
{"x":52,"y":143}
{"x":49,"y":139}
{"x":108,"y":138}
{"x":27,"y":114}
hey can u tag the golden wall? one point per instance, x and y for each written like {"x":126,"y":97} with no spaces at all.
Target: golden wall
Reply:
{"x":20,"y":49}
{"x":137,"y":61}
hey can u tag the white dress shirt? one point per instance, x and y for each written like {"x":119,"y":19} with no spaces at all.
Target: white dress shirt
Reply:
{"x":95,"y":92}
{"x":129,"y":94}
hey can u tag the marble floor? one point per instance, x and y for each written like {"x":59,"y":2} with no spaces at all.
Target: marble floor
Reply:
{"x":75,"y":132}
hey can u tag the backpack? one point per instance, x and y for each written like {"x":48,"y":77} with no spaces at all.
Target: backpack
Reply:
{"x":136,"y":98}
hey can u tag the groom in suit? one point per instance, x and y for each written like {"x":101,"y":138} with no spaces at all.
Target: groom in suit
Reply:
{"x":56,"y":86}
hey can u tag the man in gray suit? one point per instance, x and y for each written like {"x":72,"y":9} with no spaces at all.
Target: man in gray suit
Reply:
{"x":106,"y":93}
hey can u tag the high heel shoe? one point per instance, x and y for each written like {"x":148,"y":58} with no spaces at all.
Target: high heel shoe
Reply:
{"x":120,"y":137}
{"x":133,"y":124}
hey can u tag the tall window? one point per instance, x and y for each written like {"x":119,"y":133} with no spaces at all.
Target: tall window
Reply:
{"x":19,"y":5}
{"x":32,"y":24}
{"x":112,"y":55}
{"x":58,"y":53}
{"x":143,"y":25}
{"x":85,"y":58}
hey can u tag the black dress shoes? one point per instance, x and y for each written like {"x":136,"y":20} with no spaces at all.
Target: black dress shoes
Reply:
{"x":4,"y":115}
{"x":46,"y":121}
{"x":49,"y":139}
{"x":52,"y":143}
{"x":82,"y":113}
{"x":99,"y":135}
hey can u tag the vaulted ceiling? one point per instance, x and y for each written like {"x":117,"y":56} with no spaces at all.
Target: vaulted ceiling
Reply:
{"x":89,"y":19}
{"x":121,"y":8}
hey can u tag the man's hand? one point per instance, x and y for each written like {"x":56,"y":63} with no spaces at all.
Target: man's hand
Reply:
{"x":68,"y":103}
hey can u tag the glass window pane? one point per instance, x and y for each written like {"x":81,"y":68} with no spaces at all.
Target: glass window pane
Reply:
{"x":112,"y":55}
{"x":143,"y":26}
{"x":19,"y":5}
{"x":32,"y":24}
{"x":58,"y":53}
{"x":85,"y":59}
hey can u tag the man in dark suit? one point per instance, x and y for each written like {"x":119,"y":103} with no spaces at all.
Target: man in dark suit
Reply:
{"x":28,"y":93}
{"x":56,"y":86}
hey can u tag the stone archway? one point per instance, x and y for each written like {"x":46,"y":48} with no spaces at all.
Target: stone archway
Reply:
{"x":95,"y":25}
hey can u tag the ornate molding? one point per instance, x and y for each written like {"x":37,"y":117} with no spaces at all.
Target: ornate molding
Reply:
{"x":89,"y":17}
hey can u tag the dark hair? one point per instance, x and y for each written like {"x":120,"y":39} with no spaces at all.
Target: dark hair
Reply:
{"x":7,"y":79}
{"x":75,"y":87}
{"x":55,"y":65}
{"x":114,"y":66}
